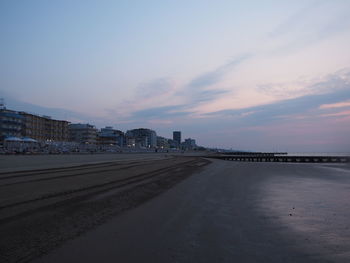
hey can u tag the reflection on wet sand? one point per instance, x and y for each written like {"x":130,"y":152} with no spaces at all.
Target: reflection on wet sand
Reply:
{"x":314,"y":204}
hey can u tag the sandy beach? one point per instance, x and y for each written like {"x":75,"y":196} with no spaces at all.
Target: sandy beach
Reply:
{"x":9,"y":163}
{"x":180,"y":209}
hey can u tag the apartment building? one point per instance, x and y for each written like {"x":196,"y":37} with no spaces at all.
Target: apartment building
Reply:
{"x":44,"y":128}
{"x":142,"y":137}
{"x":11,"y":123}
{"x":82,"y":133}
{"x":110,"y":136}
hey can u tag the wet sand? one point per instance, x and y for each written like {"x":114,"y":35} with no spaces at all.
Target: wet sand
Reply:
{"x":230,"y":212}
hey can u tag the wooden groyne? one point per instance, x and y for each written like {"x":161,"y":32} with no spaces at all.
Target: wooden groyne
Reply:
{"x":285,"y":158}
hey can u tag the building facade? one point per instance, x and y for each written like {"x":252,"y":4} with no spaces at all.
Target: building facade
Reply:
{"x":43,"y":128}
{"x":82,"y":133}
{"x":177,"y":138}
{"x":162,"y":142}
{"x":142,"y":138}
{"x":173,"y":144}
{"x":189,"y":144}
{"x":110,"y":136}
{"x":11,"y":124}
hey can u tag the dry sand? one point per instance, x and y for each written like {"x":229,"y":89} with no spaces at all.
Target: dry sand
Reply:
{"x":41,"y":209}
{"x":26,"y":162}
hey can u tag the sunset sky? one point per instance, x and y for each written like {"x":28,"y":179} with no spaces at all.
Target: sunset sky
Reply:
{"x":249,"y":75}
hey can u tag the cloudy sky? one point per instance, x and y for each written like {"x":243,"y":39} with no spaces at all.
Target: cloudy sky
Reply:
{"x":250,"y":75}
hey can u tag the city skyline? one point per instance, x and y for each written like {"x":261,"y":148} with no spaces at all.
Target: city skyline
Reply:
{"x":272,"y":76}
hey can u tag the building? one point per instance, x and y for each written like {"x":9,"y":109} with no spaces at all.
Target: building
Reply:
{"x":82,"y":133}
{"x":11,"y":123}
{"x":23,"y":124}
{"x":189,"y":144}
{"x":130,"y":141}
{"x":44,"y":128}
{"x":177,"y":137}
{"x":110,"y":136}
{"x":144,"y":138}
{"x":162,"y":142}
{"x":173,"y":144}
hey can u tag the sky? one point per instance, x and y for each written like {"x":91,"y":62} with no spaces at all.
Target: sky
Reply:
{"x":247,"y":75}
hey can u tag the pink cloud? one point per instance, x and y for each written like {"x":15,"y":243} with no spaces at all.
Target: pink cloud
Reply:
{"x":337,"y":114}
{"x":336,"y":105}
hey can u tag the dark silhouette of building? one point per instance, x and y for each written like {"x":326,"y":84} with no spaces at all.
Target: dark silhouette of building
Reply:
{"x":177,"y":137}
{"x":142,"y":138}
{"x":189,"y":144}
{"x":162,"y":142}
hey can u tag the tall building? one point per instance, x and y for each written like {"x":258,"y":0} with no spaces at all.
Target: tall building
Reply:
{"x":11,"y":123}
{"x":82,"y":133}
{"x":142,"y":138}
{"x":44,"y":128}
{"x":177,"y":137}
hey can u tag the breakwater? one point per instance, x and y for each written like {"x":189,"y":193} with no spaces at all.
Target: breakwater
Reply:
{"x":270,"y":157}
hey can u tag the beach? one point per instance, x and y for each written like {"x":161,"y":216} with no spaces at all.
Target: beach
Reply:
{"x":181,"y":209}
{"x":9,"y":163}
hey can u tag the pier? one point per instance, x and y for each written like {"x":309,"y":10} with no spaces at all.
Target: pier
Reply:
{"x":271,"y":157}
